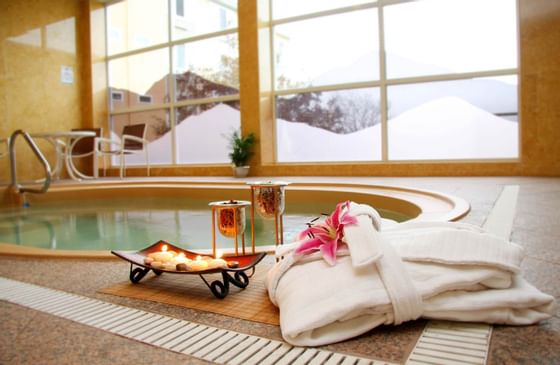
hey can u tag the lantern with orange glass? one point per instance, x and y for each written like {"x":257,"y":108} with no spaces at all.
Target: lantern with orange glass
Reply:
{"x":230,"y":216}
{"x":269,"y":200}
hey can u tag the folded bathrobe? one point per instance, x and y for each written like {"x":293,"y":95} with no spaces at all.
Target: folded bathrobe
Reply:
{"x":451,"y":271}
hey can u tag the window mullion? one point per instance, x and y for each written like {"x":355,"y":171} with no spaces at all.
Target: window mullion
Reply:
{"x":273,"y":83}
{"x":383,"y":87}
{"x":171,"y":84}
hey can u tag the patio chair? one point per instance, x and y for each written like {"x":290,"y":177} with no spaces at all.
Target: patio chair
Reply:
{"x":84,"y":147}
{"x":133,"y":140}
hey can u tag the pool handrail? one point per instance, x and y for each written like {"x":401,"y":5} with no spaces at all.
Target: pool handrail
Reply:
{"x":40,"y":156}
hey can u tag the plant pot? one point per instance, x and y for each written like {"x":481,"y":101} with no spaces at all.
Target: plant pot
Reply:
{"x":240,"y":171}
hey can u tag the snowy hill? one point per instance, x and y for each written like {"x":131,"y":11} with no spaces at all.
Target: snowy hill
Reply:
{"x":451,"y":128}
{"x":201,"y":138}
{"x":445,"y":128}
{"x":300,"y":143}
{"x":490,"y":94}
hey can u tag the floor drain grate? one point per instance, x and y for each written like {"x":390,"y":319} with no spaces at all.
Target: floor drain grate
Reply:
{"x":203,"y":342}
{"x":452,"y":343}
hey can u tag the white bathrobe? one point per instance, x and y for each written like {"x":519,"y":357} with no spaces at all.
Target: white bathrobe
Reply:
{"x":450,"y":271}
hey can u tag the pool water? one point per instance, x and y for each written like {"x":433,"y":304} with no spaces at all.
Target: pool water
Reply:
{"x":132,"y":225}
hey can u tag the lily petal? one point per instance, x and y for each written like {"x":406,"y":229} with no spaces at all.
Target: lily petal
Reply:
{"x":308,"y":246}
{"x":329,"y":252}
{"x":312,"y":231}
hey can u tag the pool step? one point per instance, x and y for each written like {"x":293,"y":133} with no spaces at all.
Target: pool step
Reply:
{"x":204,"y":342}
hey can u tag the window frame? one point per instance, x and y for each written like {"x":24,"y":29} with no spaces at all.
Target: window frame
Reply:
{"x":149,"y":99}
{"x":383,"y":83}
{"x":170,"y":104}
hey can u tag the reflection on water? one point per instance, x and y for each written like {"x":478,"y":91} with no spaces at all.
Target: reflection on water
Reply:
{"x":132,"y":225}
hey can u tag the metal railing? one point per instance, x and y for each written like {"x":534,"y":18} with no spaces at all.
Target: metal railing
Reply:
{"x":38,"y":153}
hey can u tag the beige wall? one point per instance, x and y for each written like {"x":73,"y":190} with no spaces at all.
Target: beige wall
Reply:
{"x":36,"y":38}
{"x":32,"y":97}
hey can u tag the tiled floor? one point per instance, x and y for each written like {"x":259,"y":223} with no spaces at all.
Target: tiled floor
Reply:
{"x":27,"y":336}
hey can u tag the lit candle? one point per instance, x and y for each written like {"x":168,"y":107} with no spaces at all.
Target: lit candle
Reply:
{"x":163,"y":256}
{"x":218,"y":262}
{"x":179,"y":259}
{"x":198,"y":264}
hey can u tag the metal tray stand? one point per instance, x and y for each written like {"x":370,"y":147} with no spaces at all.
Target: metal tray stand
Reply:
{"x":237,"y":265}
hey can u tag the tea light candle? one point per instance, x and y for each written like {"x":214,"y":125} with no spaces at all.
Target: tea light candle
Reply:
{"x":163,"y":255}
{"x":180,"y":259}
{"x":218,"y":262}
{"x":198,"y":264}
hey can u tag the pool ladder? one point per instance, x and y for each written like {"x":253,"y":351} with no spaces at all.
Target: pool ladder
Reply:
{"x":16,"y":187}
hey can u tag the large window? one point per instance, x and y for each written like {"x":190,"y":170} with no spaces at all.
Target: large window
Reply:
{"x":173,"y":65}
{"x":395,"y":80}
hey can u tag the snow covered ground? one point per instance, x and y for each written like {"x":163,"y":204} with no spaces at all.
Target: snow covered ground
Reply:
{"x":445,"y":128}
{"x":451,"y":128}
{"x":200,"y":139}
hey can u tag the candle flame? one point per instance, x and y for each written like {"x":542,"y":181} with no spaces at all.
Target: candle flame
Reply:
{"x":181,"y":254}
{"x":198,"y":258}
{"x":164,"y":248}
{"x":219,"y":254}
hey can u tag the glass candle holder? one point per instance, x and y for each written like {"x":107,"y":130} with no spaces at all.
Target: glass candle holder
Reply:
{"x":230,"y":216}
{"x":270,"y":198}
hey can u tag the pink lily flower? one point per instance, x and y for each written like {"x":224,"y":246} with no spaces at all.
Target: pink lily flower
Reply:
{"x":327,"y":236}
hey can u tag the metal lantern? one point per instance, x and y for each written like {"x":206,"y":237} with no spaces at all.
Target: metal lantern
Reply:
{"x":268,"y":198}
{"x":230,"y":215}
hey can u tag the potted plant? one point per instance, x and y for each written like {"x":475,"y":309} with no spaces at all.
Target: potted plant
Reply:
{"x":241,"y":151}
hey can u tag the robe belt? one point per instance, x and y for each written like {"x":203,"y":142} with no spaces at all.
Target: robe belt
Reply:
{"x":367,"y":247}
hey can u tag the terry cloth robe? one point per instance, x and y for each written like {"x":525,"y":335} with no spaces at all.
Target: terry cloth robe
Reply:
{"x":451,"y":271}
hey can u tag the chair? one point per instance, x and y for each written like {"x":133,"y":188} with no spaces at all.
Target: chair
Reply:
{"x":84,"y":147}
{"x":133,"y":141}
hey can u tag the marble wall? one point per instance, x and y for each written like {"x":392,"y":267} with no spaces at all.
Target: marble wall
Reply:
{"x":37,"y":37}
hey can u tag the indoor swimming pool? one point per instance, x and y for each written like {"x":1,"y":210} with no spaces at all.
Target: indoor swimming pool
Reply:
{"x":132,"y":215}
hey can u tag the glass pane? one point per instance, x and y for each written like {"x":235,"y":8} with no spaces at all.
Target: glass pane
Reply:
{"x":288,"y":8}
{"x":329,"y":50}
{"x":139,"y":80}
{"x":210,"y":68}
{"x":203,"y":16}
{"x":329,"y":126}
{"x":158,"y":131}
{"x":202,"y":132}
{"x":434,"y":37}
{"x":464,"y":119}
{"x":134,"y":24}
